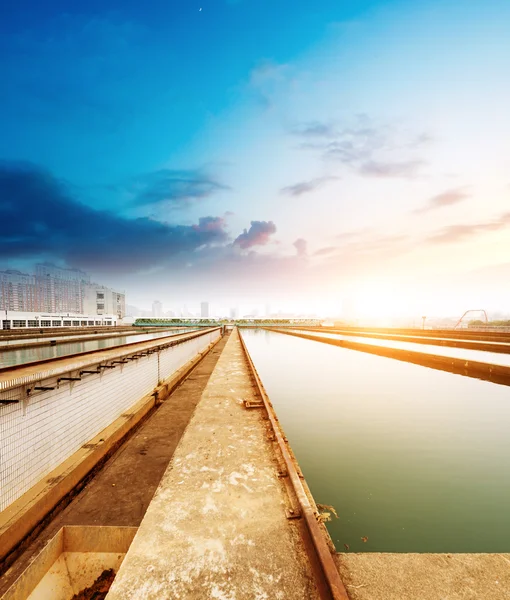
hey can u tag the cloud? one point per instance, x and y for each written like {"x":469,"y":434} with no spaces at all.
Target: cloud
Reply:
{"x":407,"y":170}
{"x":307,"y":186}
{"x":369,"y":148}
{"x":445,"y":199}
{"x":175,"y":188}
{"x":301,"y":247}
{"x":266,"y":80}
{"x":315,"y":129}
{"x":326,"y":250}
{"x":258,"y":234}
{"x":458,"y":233}
{"x":39,"y":219}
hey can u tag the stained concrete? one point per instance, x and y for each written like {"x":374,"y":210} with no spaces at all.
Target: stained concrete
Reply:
{"x":216,"y":527}
{"x":121,"y":491}
{"x":390,"y":576}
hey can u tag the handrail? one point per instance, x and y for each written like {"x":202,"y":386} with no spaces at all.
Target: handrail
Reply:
{"x":62,"y":364}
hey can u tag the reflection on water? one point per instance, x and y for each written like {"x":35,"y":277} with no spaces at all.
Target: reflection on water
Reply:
{"x":10,"y":358}
{"x":416,"y":460}
{"x":493,"y":358}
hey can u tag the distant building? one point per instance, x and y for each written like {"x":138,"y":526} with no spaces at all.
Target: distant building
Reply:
{"x":17,"y":291}
{"x":233,"y":313}
{"x":60,"y":290}
{"x":54,"y":290}
{"x":204,"y":310}
{"x":101,"y":300}
{"x":157,"y":309}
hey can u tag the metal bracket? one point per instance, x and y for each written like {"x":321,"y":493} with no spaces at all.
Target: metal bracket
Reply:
{"x":250,"y":404}
{"x":292,"y":513}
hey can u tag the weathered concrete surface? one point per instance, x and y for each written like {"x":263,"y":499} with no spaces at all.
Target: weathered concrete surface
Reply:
{"x":216,"y":527}
{"x":389,"y":576}
{"x":120,"y":493}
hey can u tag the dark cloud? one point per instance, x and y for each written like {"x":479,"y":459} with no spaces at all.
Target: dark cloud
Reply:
{"x":175,"y":188}
{"x":306,"y":186}
{"x":406,"y":170}
{"x":301,"y":247}
{"x":457,"y":233}
{"x":40,"y":219}
{"x":257,"y":235}
{"x":445,"y":199}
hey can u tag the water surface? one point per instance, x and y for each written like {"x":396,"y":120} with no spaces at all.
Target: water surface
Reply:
{"x":414,"y":459}
{"x":9,"y":358}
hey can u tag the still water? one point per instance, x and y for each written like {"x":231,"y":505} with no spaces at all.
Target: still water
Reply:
{"x":9,"y":358}
{"x":494,"y":358}
{"x":415,"y":460}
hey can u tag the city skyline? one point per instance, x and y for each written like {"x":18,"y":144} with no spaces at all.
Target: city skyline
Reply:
{"x":51,"y":289}
{"x":348,"y":159}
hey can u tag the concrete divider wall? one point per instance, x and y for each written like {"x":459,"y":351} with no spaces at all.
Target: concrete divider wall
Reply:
{"x":44,"y":429}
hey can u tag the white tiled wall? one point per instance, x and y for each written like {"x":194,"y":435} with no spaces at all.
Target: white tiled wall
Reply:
{"x":41,"y":432}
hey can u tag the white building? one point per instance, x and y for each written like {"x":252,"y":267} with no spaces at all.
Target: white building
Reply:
{"x":17,"y":291}
{"x":101,"y":300}
{"x":41,"y":320}
{"x":60,"y":290}
{"x":204,"y":310}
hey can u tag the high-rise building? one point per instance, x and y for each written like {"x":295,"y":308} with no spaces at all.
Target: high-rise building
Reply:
{"x":157,"y":309}
{"x":233,"y":313}
{"x":101,"y":300}
{"x":17,"y":291}
{"x":204,"y":310}
{"x":56,"y":290}
{"x":60,"y":290}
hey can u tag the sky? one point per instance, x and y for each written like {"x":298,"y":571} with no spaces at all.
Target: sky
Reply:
{"x":339,"y":157}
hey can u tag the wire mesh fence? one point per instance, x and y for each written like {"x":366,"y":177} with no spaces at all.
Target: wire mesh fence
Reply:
{"x":43,"y":424}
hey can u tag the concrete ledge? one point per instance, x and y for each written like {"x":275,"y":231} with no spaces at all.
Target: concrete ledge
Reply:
{"x":19,"y":519}
{"x":468,"y":368}
{"x":392,"y":576}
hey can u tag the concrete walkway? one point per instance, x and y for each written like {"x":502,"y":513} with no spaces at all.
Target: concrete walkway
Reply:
{"x":390,"y":576}
{"x":216,"y":527}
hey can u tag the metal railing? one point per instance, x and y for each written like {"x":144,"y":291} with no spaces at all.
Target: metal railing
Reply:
{"x":331,"y":585}
{"x":48,"y":414}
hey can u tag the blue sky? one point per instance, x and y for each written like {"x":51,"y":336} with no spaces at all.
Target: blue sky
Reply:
{"x":304,"y":154}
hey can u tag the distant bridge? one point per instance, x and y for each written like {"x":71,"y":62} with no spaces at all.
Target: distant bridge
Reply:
{"x":229,"y":322}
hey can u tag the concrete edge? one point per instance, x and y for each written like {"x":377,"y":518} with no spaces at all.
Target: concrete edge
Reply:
{"x":19,"y":519}
{"x":87,"y":538}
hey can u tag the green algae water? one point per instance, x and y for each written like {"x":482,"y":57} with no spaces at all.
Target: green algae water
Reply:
{"x":412,"y":459}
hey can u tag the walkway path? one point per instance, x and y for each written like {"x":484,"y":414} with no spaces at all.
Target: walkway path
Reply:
{"x":217,"y":528}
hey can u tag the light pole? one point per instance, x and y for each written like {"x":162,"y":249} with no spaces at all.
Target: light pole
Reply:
{"x":423,"y":322}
